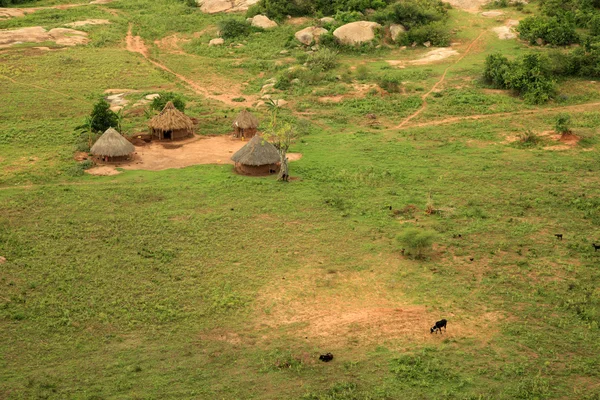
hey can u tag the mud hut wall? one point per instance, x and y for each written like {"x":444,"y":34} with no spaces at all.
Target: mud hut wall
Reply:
{"x":257,"y":170}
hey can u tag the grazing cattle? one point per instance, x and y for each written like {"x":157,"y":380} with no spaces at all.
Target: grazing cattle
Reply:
{"x":326,"y":357}
{"x":596,"y":246}
{"x":438,"y":326}
{"x":559,"y":236}
{"x":471,"y":259}
{"x":459,"y":236}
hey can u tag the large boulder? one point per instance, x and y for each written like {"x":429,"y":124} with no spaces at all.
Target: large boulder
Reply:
{"x":396,"y":30}
{"x":215,"y":6}
{"x":261,"y":21}
{"x":309,"y":35}
{"x":216,"y":42}
{"x":356,"y":32}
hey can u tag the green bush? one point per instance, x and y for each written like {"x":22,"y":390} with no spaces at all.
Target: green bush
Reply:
{"x":562,"y":124}
{"x":280,"y":9}
{"x":550,"y":29}
{"x":160,"y":102}
{"x":437,"y":33}
{"x":323,"y":59}
{"x":232,"y":28}
{"x":389,"y":83}
{"x":417,"y":242}
{"x":413,"y":13}
{"x":529,"y":76}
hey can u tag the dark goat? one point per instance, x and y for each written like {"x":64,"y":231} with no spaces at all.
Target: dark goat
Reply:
{"x":326,"y":357}
{"x":596,"y":246}
{"x":438,"y":326}
{"x":559,"y":236}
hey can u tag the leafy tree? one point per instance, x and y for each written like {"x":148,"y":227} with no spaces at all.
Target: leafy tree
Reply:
{"x":160,"y":102}
{"x":497,"y":68}
{"x":102,"y":118}
{"x":562,"y":124}
{"x":282,"y":135}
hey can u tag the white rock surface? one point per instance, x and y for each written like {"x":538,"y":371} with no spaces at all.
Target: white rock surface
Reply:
{"x":309,"y":35}
{"x":356,"y":32}
{"x":217,"y":42}
{"x":396,"y":30}
{"x":261,"y":21}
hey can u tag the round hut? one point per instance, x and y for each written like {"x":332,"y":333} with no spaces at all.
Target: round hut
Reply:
{"x":257,"y":157}
{"x":171,"y":124}
{"x":112,"y":147}
{"x":245,"y":125}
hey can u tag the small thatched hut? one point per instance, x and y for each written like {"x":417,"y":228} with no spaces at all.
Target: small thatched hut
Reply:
{"x":258,"y":157}
{"x":112,"y":147}
{"x":171,"y":124}
{"x":245,"y":125}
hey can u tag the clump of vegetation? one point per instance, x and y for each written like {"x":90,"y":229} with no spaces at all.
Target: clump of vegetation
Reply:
{"x":529,"y":76}
{"x":100,"y":119}
{"x":161,"y":101}
{"x":389,"y":83}
{"x":233,"y":28}
{"x":417,"y":242}
{"x":529,"y":139}
{"x":562,"y":124}
{"x":279,"y":9}
{"x":323,"y":60}
{"x":550,"y":30}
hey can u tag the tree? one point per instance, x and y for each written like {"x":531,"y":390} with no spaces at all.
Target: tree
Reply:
{"x":161,"y":101}
{"x":418,"y":242}
{"x":102,"y":117}
{"x":282,"y":137}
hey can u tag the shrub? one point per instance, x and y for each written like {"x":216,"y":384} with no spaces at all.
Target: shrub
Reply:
{"x":413,"y":13}
{"x":529,"y":139}
{"x":497,"y":68}
{"x":233,"y":28}
{"x":160,"y":102}
{"x":562,"y":124}
{"x":437,"y":33}
{"x":550,"y":29}
{"x":389,"y":83}
{"x":417,"y":242}
{"x":324,"y":59}
{"x":362,"y":72}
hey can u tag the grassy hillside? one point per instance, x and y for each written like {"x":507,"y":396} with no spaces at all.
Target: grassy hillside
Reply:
{"x":199,"y":283}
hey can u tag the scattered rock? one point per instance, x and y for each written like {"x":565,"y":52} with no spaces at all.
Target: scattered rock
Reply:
{"x":327,"y":20}
{"x":271,"y":80}
{"x":284,"y":52}
{"x":2,"y":260}
{"x":216,"y":42}
{"x":309,"y":35}
{"x":427,"y":44}
{"x":295,"y":81}
{"x":280,"y":102}
{"x":396,"y":30}
{"x":152,"y":96}
{"x":266,"y":97}
{"x":505,"y":32}
{"x":37,"y":34}
{"x":117,"y":101}
{"x":356,"y":32}
{"x":269,"y":87}
{"x":88,"y":22}
{"x":492,"y":14}
{"x":261,"y":21}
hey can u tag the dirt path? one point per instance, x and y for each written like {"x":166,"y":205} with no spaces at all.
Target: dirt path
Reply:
{"x":438,"y":83}
{"x":476,"y":117}
{"x":135,"y":44}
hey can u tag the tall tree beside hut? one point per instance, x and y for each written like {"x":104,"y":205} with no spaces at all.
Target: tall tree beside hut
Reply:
{"x":282,"y":135}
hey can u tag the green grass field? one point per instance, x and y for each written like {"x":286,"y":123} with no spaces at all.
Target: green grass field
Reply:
{"x":200,"y":283}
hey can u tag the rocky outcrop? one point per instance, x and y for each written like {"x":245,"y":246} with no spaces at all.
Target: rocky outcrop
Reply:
{"x":396,"y":30}
{"x":310,"y":35}
{"x":356,"y":32}
{"x":261,"y":21}
{"x":216,"y":6}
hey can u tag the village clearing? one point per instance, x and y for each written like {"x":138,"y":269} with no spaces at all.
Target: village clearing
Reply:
{"x":171,"y":276}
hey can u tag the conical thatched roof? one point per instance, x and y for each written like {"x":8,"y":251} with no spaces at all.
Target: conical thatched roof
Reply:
{"x":257,"y":152}
{"x":171,"y":119}
{"x":112,"y":144}
{"x":246,"y":121}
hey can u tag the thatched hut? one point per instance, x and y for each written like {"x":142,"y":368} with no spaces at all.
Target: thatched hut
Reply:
{"x":257,"y":157}
{"x":171,"y":124}
{"x":112,"y":147}
{"x":245,"y":125}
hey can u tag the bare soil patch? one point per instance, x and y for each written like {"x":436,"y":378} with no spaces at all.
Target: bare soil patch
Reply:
{"x":435,"y":55}
{"x":171,"y":44}
{"x":158,"y":156}
{"x":103,"y":170}
{"x":37,"y":34}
